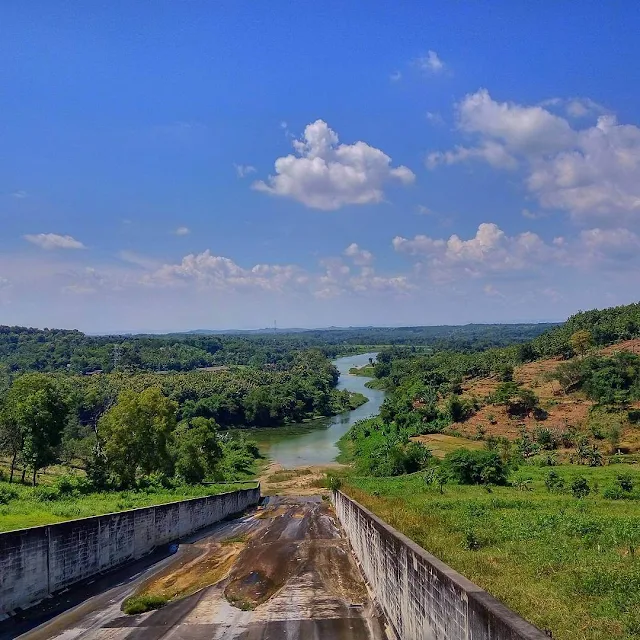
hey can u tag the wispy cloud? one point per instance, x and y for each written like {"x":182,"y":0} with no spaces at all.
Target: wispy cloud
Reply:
{"x":54,"y":241}
{"x":243,"y":170}
{"x":431,"y":63}
{"x":182,"y":231}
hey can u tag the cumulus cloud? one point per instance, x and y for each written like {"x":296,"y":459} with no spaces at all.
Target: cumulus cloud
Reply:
{"x":489,"y":251}
{"x":54,"y":241}
{"x":431,"y":62}
{"x":324,"y":174}
{"x":593,"y":173}
{"x":358,"y":255}
{"x":243,"y":170}
{"x":182,"y":231}
{"x":220,"y":272}
{"x":526,"y":129}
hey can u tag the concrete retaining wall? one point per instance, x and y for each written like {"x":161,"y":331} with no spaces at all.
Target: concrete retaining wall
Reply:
{"x":423,"y":598}
{"x":39,"y":561}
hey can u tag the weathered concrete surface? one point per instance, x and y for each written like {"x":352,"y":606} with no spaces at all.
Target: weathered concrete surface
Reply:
{"x":294,"y":578}
{"x":40,"y":561}
{"x":423,"y":598}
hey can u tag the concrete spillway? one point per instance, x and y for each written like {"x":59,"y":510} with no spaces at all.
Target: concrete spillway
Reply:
{"x":284,"y":570}
{"x":291,"y":576}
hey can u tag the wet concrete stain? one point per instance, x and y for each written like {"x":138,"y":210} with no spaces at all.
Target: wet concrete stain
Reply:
{"x":294,"y":578}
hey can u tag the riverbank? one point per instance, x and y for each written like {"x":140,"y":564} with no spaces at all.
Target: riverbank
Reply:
{"x":314,"y":443}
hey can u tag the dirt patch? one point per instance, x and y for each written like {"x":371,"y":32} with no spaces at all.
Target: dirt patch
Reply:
{"x":302,"y":481}
{"x":202,"y":565}
{"x":627,"y":345}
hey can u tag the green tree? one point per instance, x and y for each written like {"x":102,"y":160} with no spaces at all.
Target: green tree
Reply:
{"x":36,"y":407}
{"x":196,"y":449}
{"x":137,"y":433}
{"x":11,"y":439}
{"x":581,"y":341}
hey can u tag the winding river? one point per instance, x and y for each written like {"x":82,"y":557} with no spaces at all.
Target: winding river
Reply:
{"x":314,"y":443}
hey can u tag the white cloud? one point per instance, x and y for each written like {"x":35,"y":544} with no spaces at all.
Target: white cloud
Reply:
{"x":54,"y":241}
{"x":434,"y":118}
{"x":431,"y":62}
{"x":489,"y":251}
{"x":327,"y":175}
{"x":182,"y":231}
{"x":218,"y":272}
{"x":593,"y":173}
{"x":243,"y":170}
{"x":526,"y":129}
{"x":358,"y":255}
{"x":20,"y":194}
{"x":340,"y":278}
{"x":395,"y":76}
{"x":492,"y":152}
{"x":597,"y":179}
{"x":576,"y":107}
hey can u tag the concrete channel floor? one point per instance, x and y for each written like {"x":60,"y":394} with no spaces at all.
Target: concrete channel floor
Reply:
{"x":286,"y":568}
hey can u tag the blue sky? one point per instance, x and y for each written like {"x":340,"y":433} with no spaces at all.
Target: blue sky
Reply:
{"x":172,"y":165}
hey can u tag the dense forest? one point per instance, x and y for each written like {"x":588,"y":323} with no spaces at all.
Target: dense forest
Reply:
{"x":121,"y":427}
{"x":26,"y":349}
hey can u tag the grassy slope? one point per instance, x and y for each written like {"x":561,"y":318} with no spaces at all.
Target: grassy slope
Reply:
{"x":31,"y":508}
{"x":564,"y":564}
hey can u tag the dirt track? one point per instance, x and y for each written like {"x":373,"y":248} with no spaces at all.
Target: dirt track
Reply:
{"x":292,"y":576}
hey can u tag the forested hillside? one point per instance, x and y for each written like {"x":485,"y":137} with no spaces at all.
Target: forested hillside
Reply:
{"x":509,"y":393}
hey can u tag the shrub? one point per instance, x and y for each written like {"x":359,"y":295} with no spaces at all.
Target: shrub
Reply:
{"x":545,"y":438}
{"x":7,"y":494}
{"x":73,"y":485}
{"x":580,"y":488}
{"x":614,"y":492}
{"x":334,"y":483}
{"x":46,"y":494}
{"x":471,"y":540}
{"x":475,"y":467}
{"x":625,"y":482}
{"x":634,"y":416}
{"x":554,"y":482}
{"x":140,"y":604}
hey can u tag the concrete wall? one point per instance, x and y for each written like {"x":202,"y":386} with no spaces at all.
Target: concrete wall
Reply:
{"x":39,"y":561}
{"x":423,"y":598}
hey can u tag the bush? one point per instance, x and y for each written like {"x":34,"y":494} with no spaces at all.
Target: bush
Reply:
{"x":545,"y":438}
{"x":580,"y":488}
{"x":140,"y":604}
{"x":7,"y":494}
{"x":73,"y":485}
{"x":634,"y":416}
{"x":554,"y":482}
{"x":475,"y":467}
{"x":625,"y":482}
{"x":46,"y":494}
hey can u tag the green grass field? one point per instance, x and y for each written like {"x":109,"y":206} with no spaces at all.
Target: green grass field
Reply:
{"x":568,"y":565}
{"x":43,"y":505}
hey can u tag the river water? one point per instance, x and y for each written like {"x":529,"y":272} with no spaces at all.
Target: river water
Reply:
{"x":314,"y":443}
